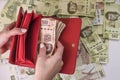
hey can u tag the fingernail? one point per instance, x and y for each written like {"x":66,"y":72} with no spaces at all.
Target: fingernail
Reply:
{"x":42,"y":45}
{"x":24,"y":30}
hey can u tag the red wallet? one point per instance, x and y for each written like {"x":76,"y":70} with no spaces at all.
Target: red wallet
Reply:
{"x":23,"y":51}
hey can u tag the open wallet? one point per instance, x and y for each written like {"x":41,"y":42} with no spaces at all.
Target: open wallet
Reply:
{"x":23,"y":50}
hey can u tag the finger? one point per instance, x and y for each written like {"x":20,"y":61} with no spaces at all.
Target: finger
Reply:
{"x":3,"y":49}
{"x":62,"y":63}
{"x":10,"y":26}
{"x":16,"y":31}
{"x":59,"y":50}
{"x":42,"y":51}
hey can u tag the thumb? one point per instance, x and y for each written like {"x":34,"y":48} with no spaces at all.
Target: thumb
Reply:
{"x":42,"y":51}
{"x":16,"y":31}
{"x":5,"y":35}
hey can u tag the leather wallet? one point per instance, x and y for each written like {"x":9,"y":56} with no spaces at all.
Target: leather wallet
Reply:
{"x":23,"y":50}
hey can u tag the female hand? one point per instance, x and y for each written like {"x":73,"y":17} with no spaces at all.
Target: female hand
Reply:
{"x":48,"y":67}
{"x":6,"y":35}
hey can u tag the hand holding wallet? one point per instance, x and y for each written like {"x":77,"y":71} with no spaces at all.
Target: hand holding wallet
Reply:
{"x":23,"y":51}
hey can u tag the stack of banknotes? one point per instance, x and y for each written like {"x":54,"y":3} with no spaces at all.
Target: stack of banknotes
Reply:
{"x":100,"y":23}
{"x":50,"y":33}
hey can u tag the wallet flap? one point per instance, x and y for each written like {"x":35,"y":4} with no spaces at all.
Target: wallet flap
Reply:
{"x":70,"y":40}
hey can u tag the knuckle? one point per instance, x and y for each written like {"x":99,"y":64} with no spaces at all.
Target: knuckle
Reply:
{"x":58,"y":58}
{"x":62,"y":47}
{"x":5,"y":34}
{"x":62,"y":63}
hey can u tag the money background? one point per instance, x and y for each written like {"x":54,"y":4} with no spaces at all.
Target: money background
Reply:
{"x":94,"y":30}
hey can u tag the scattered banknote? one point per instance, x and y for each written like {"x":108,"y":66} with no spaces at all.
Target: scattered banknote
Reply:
{"x":47,"y":7}
{"x":9,"y":12}
{"x":77,"y":7}
{"x":84,"y":55}
{"x":109,"y":1}
{"x":21,"y":73}
{"x":85,"y":72}
{"x":93,"y":42}
{"x":111,"y":24}
{"x":99,"y":15}
{"x":91,"y":39}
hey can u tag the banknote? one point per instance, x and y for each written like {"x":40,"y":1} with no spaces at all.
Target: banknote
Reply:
{"x":82,"y":52}
{"x":90,"y":38}
{"x":27,"y":2}
{"x":51,"y":30}
{"x":47,"y":7}
{"x":9,"y":12}
{"x":111,"y":28}
{"x":85,"y":72}
{"x":21,"y":73}
{"x":99,"y":15}
{"x":85,"y":69}
{"x":57,"y":77}
{"x":109,"y":1}
{"x":54,"y":10}
{"x":91,"y":8}
{"x":103,"y":57}
{"x":98,"y":47}
{"x":77,"y":7}
{"x":59,"y":28}
{"x":42,"y":7}
{"x":48,"y":33}
{"x":98,"y":20}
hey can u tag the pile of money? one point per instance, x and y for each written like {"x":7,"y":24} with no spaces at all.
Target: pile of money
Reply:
{"x":100,"y":23}
{"x":50,"y":33}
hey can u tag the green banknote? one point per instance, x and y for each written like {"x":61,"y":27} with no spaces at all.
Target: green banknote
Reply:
{"x":20,"y":73}
{"x":112,"y":22}
{"x":103,"y":56}
{"x":83,"y":54}
{"x":57,"y":77}
{"x":109,"y":1}
{"x":85,"y":72}
{"x":90,"y":38}
{"x":95,"y":45}
{"x":42,"y":7}
{"x":99,"y":15}
{"x":47,"y":7}
{"x":77,"y":7}
{"x":85,"y":69}
{"x":9,"y":12}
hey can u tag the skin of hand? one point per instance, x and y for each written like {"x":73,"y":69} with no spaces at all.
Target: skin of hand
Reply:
{"x":6,"y":36}
{"x":48,"y":66}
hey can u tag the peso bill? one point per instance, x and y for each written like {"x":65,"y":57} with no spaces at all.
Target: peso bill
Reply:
{"x":99,"y":14}
{"x":77,"y":7}
{"x":91,"y":39}
{"x":93,"y":43}
{"x":111,"y":28}
{"x":48,"y":33}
